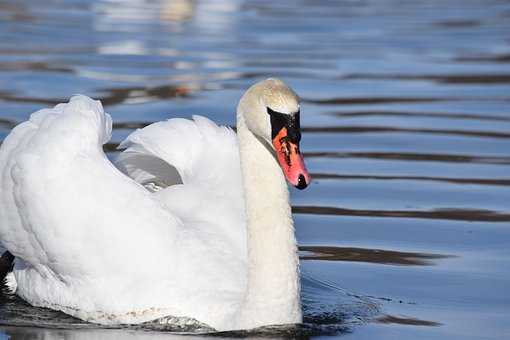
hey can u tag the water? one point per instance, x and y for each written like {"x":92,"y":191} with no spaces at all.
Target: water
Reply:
{"x":405,"y":107}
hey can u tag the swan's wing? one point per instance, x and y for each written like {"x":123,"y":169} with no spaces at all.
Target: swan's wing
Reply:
{"x":92,"y":242}
{"x":58,"y":188}
{"x":66,"y":211}
{"x":194,"y":167}
{"x":183,"y":151}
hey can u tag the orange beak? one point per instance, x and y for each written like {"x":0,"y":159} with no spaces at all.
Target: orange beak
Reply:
{"x":290,"y":159}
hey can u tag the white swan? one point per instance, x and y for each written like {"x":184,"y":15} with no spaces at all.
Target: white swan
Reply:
{"x":201,"y":228}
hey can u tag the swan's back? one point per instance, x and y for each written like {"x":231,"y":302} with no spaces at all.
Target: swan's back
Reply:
{"x":193,"y":167}
{"x":94,"y":243}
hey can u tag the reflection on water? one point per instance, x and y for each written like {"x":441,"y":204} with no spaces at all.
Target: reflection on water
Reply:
{"x":481,"y":181}
{"x":420,"y":115}
{"x":379,"y":129}
{"x":406,"y":321}
{"x":443,"y":214}
{"x":413,"y":157}
{"x":447,"y":79}
{"x":406,"y":128}
{"x":379,"y":256}
{"x":133,"y":95}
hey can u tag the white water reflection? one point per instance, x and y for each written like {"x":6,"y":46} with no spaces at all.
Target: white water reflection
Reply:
{"x":14,"y":333}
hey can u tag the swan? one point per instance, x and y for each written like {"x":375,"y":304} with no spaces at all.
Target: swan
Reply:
{"x":191,"y":220}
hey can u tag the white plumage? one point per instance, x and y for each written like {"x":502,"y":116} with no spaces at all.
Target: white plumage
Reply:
{"x":168,"y":239}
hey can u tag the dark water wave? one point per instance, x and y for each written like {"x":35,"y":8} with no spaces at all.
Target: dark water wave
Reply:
{"x":379,"y":256}
{"x":109,"y":96}
{"x":445,"y":115}
{"x":484,"y":58}
{"x":435,"y":214}
{"x":35,"y":66}
{"x":386,"y":129}
{"x":425,"y":157}
{"x":476,"y":181}
{"x":7,"y":124}
{"x":401,"y":100}
{"x":46,"y":50}
{"x":447,"y":79}
{"x":375,"y":100}
{"x":399,"y":320}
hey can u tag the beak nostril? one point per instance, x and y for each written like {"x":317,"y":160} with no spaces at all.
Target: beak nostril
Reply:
{"x":301,"y":182}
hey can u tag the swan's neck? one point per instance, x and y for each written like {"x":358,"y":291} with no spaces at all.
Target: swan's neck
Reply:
{"x":273,"y":292}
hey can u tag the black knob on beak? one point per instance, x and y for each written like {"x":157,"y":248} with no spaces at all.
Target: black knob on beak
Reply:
{"x":301,"y":182}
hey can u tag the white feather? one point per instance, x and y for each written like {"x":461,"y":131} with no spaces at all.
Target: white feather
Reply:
{"x":95,"y":244}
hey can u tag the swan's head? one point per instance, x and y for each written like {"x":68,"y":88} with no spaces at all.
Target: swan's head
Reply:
{"x":271,"y":112}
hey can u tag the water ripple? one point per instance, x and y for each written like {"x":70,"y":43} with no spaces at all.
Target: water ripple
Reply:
{"x":497,"y":78}
{"x":424,"y":157}
{"x":455,"y":214}
{"x":387,"y":129}
{"x":476,"y":181}
{"x":400,"y":320}
{"x":446,"y":115}
{"x":377,"y":256}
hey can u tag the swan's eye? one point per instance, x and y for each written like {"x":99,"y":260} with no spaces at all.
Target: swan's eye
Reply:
{"x":285,"y":120}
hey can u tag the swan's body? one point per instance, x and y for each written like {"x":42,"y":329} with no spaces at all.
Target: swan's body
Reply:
{"x":211,"y":240}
